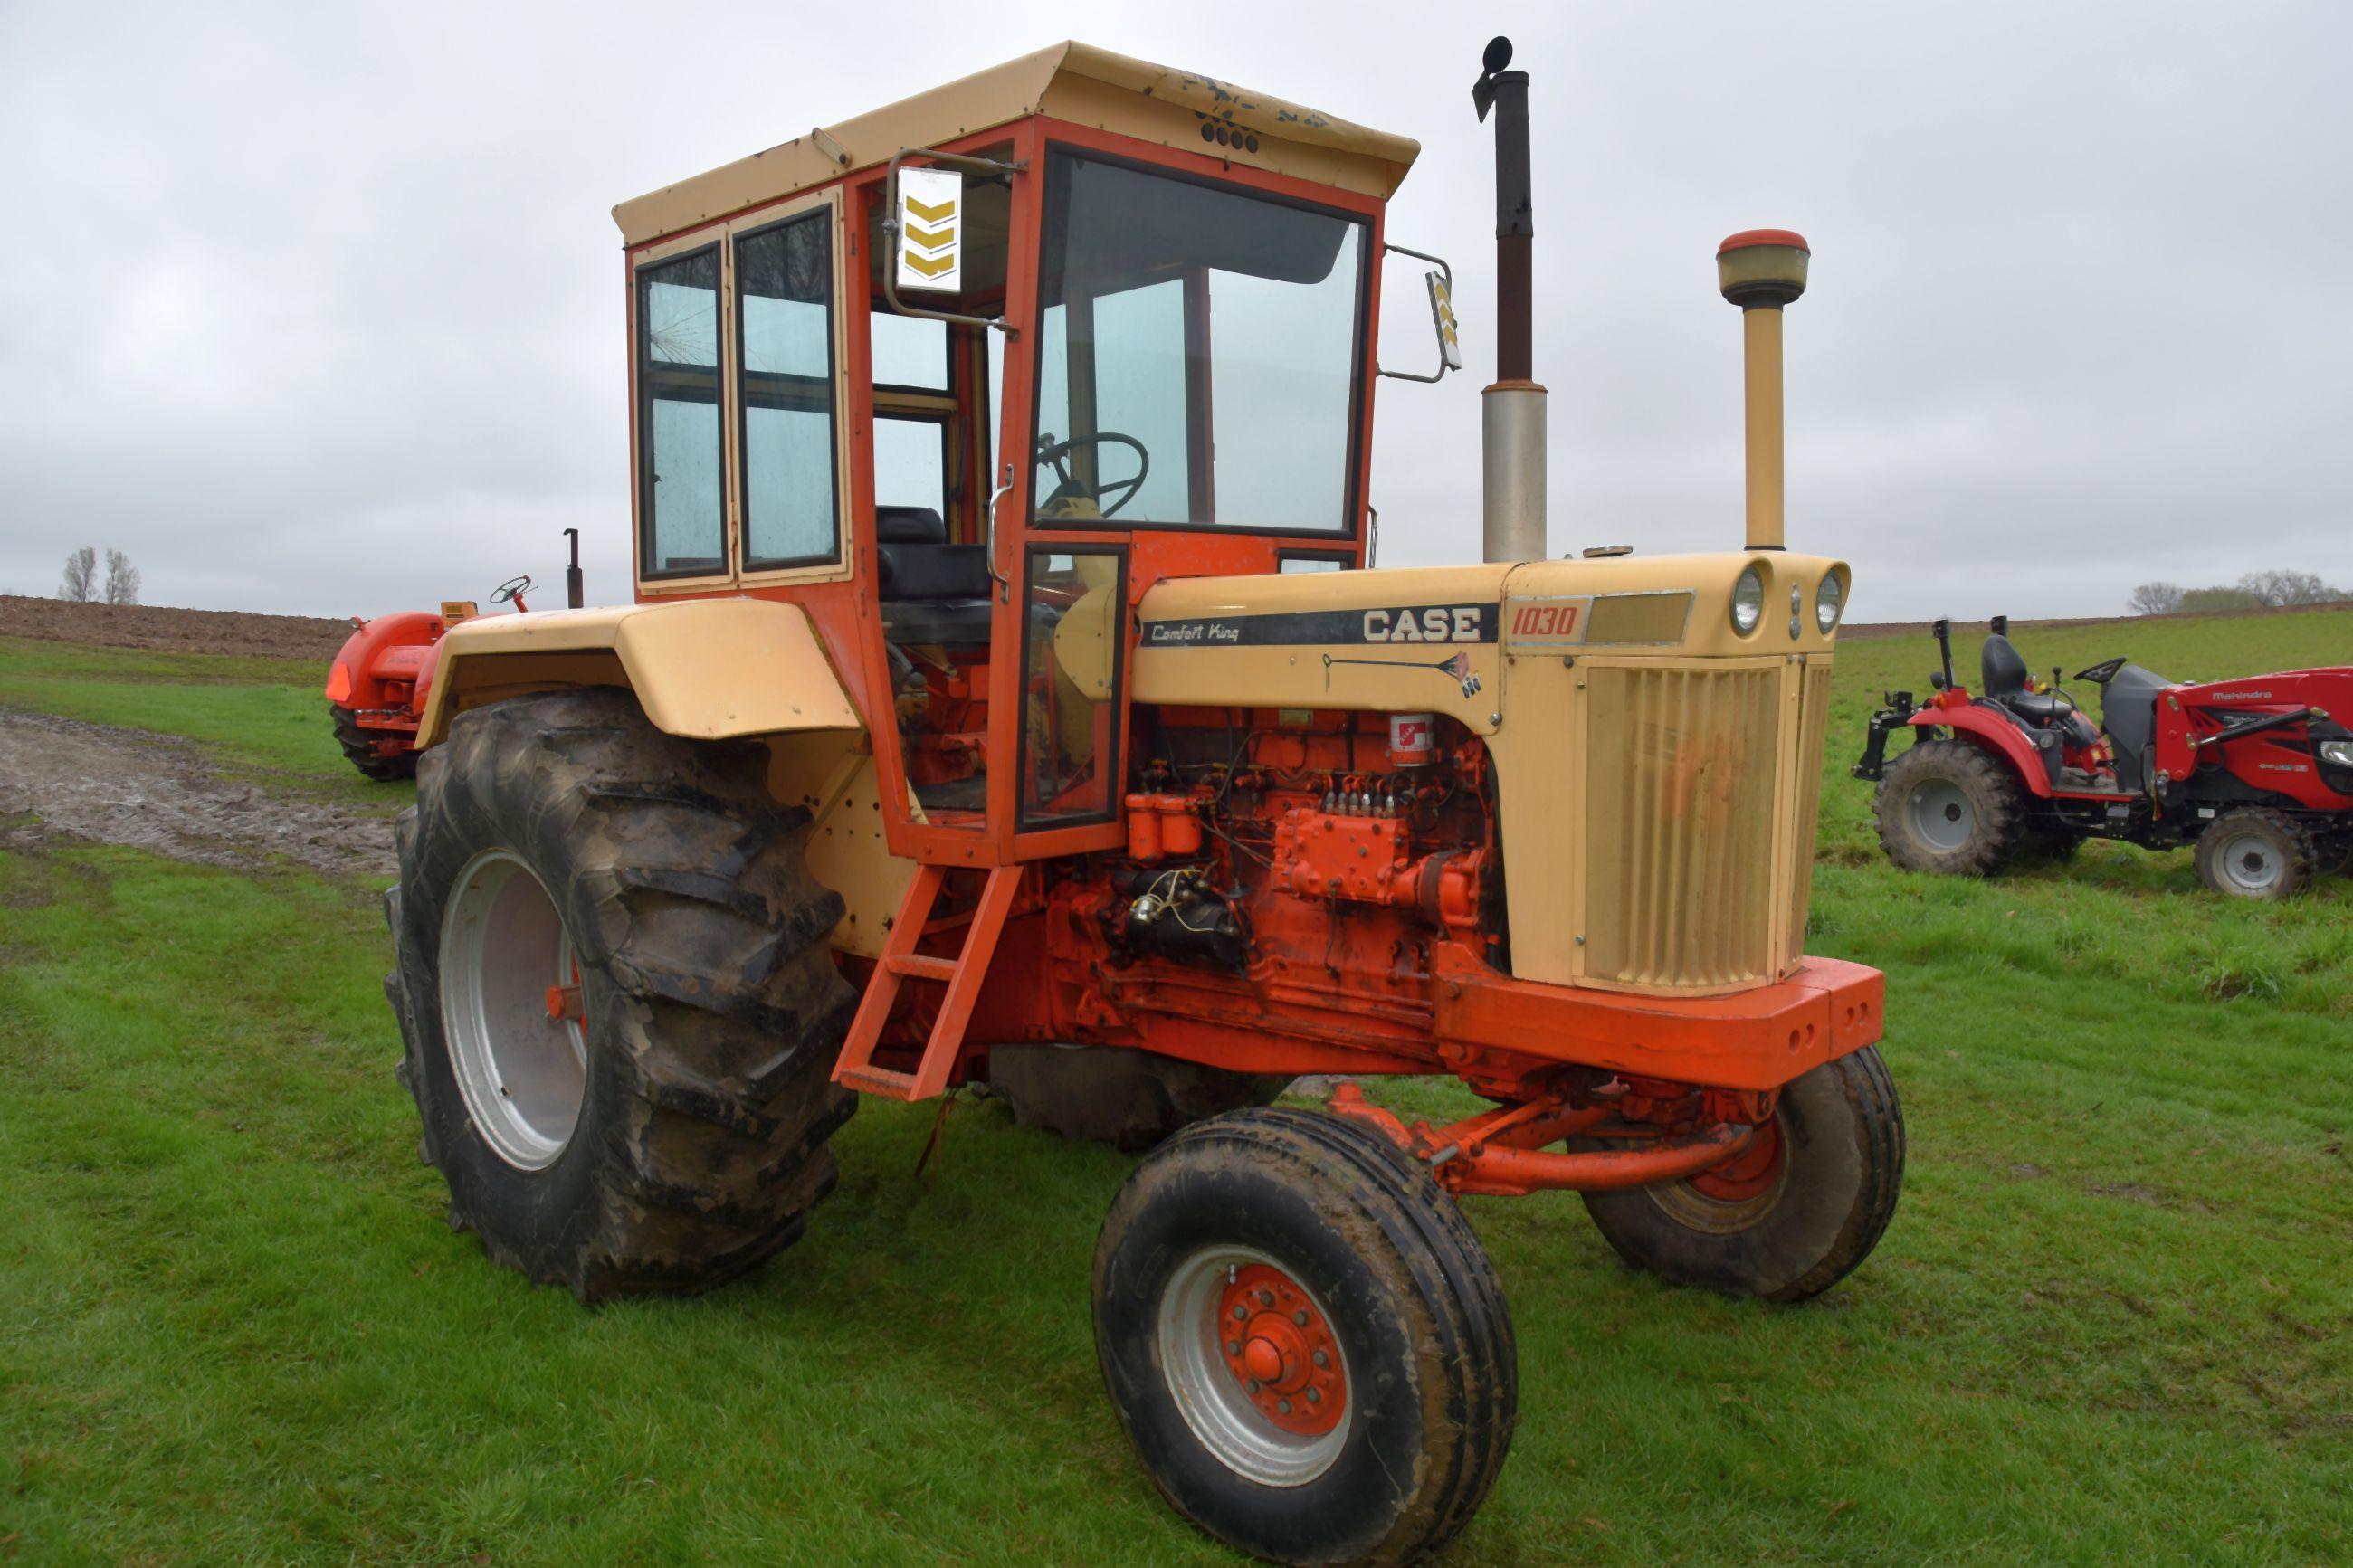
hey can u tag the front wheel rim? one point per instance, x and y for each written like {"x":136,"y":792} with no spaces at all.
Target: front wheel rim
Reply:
{"x":511,"y":1011}
{"x":1941,"y":813}
{"x":1254,"y":1366}
{"x":2249,"y":863}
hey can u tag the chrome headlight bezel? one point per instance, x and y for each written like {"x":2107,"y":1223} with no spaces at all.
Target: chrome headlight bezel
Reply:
{"x":1829,"y":603}
{"x":2337,"y":753}
{"x":1748,"y":601}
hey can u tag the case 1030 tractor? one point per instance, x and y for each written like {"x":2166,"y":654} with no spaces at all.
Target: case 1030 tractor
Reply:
{"x":1006,"y":702}
{"x":2255,"y":771}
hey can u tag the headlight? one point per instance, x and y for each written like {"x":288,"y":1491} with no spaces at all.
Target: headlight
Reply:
{"x":1747,"y":601}
{"x":2337,"y":753}
{"x":1829,"y":600}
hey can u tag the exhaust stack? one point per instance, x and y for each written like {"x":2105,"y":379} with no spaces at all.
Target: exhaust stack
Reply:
{"x":1761,"y":270}
{"x":1512,"y":411}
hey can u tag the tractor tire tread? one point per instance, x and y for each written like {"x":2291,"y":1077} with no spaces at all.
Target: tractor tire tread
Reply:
{"x":719,"y":1010}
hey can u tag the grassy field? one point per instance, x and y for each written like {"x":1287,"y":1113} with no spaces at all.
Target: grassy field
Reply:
{"x":2112,"y":1320}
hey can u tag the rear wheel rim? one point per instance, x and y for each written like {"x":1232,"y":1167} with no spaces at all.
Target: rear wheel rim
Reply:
{"x":510,"y":1010}
{"x":2249,"y":862}
{"x":1941,"y":813}
{"x":1254,"y":1366}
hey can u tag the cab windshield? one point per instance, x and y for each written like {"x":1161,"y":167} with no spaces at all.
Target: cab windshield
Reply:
{"x":1199,"y":354}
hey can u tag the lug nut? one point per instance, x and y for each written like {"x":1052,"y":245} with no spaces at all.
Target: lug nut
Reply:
{"x":1300,"y":1318}
{"x":1233,"y":1347}
{"x":1323,"y":1360}
{"x":1315,"y":1396}
{"x":1241,"y":1312}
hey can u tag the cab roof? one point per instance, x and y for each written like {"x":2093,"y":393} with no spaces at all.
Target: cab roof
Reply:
{"x":1069,"y":81}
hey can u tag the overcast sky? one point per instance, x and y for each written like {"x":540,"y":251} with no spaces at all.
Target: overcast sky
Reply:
{"x":317,"y":307}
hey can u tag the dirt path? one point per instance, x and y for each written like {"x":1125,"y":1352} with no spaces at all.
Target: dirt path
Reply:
{"x":154,"y":792}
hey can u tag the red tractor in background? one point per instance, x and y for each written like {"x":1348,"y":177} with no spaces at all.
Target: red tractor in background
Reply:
{"x":2257,"y":772}
{"x":378,"y":685}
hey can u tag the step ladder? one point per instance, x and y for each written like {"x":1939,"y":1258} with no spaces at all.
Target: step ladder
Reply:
{"x":901,"y":962}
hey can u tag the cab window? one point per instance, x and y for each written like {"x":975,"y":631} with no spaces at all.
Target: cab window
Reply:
{"x":681,"y":469}
{"x":784,"y":289}
{"x":1200,"y":353}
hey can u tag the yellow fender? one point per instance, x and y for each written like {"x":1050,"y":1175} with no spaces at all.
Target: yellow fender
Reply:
{"x":708,"y":669}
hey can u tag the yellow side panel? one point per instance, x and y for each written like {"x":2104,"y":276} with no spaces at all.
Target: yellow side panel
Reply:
{"x":705,"y":669}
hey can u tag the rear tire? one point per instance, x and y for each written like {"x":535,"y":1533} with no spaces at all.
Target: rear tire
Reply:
{"x":1789,"y":1228}
{"x":1946,"y":807}
{"x":1131,"y":1100}
{"x":360,"y":750}
{"x":687,"y":1143}
{"x":2254,"y":853}
{"x":1327,"y":1240}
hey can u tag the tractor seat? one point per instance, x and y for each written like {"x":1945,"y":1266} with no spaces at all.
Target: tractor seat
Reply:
{"x":932,"y":591}
{"x":2003,"y":676}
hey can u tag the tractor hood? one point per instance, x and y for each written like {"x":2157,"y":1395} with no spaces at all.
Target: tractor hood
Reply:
{"x":1441,"y":639}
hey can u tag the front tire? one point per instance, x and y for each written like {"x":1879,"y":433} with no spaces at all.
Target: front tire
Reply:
{"x":1304,"y":1340}
{"x":1792,"y":1216}
{"x":2252,"y":853}
{"x":1947,"y":807}
{"x":617,"y":1003}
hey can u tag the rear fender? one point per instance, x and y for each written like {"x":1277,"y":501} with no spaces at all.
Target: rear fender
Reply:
{"x":1997,"y":734}
{"x":395,"y":648}
{"x":707,"y":669}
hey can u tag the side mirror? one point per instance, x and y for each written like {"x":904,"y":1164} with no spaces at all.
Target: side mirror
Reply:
{"x":1440,"y":284}
{"x":930,"y":221}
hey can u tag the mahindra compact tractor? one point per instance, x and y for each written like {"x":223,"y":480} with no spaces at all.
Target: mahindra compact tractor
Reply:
{"x":1006,"y":703}
{"x":2256,"y":773}
{"x":380,"y":677}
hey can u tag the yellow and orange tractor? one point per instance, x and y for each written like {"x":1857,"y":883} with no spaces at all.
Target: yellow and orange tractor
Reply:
{"x":1007,"y":700}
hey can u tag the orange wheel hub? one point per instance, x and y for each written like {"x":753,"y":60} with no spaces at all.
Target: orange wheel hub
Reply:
{"x":1281,"y":1349}
{"x":1748,"y":1174}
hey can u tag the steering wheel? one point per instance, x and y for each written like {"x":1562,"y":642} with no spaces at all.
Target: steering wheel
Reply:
{"x":1057,"y":453}
{"x":512,"y":588}
{"x":2101,"y":673}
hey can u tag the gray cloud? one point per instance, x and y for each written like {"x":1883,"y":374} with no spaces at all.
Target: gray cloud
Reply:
{"x":319,"y":308}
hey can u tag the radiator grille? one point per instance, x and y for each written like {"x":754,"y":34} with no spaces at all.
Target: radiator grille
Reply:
{"x":1686,"y":770}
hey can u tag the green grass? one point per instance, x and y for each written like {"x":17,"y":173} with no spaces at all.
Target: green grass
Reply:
{"x":2112,"y":1320}
{"x":260,"y":717}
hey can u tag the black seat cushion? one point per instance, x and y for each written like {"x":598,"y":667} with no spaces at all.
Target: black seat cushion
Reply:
{"x":909,"y":525}
{"x":2003,"y":672}
{"x":2042,"y":706}
{"x":933,"y":571}
{"x":919,"y":621}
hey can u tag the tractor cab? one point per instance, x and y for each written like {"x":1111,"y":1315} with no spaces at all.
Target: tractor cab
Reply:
{"x":964,"y":377}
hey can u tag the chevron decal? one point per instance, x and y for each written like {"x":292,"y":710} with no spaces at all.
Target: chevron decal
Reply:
{"x":929,"y":257}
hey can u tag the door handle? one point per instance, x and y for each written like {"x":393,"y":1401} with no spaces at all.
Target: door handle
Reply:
{"x":1004,"y":584}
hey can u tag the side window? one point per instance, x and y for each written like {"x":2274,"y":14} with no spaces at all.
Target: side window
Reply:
{"x":681,"y":467}
{"x":911,"y":463}
{"x":783,"y":298}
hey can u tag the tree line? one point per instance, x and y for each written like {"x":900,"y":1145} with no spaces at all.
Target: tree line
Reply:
{"x":2255,"y":591}
{"x":83,"y":587}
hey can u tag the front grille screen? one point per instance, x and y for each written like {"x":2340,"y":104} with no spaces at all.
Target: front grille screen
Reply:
{"x":1684,"y":769}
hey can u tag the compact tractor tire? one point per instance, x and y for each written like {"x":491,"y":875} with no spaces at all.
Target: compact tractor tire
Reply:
{"x":1331,"y":1243}
{"x":1946,"y":807}
{"x":1792,"y":1223}
{"x":359,"y":749}
{"x":2254,"y":853}
{"x":561,"y":835}
{"x":1131,"y":1100}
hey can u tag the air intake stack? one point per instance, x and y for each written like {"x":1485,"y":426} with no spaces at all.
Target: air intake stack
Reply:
{"x":1512,"y":411}
{"x":1761,"y":270}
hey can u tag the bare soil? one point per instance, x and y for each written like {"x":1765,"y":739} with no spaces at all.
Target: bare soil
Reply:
{"x":157,"y":792}
{"x":158,"y":626}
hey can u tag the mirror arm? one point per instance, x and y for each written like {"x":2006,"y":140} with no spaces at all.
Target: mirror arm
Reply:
{"x":962,"y":165}
{"x":1448,"y":272}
